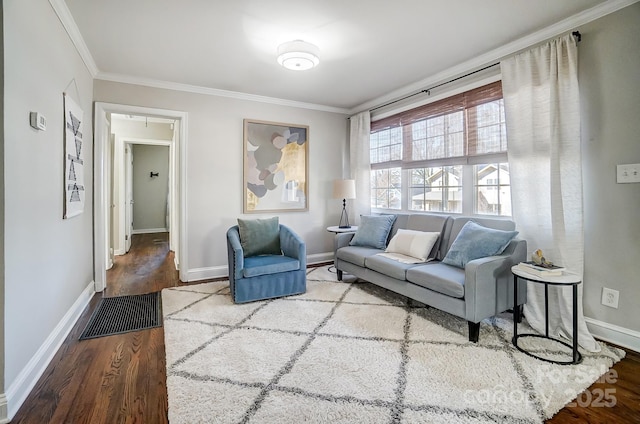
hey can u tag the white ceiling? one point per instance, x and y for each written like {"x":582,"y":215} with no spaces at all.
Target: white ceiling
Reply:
{"x":368,"y":48}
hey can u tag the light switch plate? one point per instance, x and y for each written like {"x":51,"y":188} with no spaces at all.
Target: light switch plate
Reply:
{"x":629,"y":173}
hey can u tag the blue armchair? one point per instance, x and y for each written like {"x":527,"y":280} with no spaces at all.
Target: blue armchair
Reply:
{"x":267,"y":276}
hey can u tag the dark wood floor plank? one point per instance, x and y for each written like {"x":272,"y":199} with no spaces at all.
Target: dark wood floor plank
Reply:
{"x":122,"y":378}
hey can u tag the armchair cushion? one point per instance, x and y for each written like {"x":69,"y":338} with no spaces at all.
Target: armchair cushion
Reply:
{"x":259,"y":236}
{"x":475,"y":241}
{"x":269,"y":264}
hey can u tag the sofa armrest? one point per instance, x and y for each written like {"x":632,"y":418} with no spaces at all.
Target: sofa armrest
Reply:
{"x":489,"y":282}
{"x":340,"y":240}
{"x":293,"y":246}
{"x":235,"y":253}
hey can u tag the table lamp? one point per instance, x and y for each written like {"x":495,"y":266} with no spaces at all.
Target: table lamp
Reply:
{"x":344,"y":189}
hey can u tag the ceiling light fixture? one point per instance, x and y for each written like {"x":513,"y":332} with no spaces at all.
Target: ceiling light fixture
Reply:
{"x":298,"y":55}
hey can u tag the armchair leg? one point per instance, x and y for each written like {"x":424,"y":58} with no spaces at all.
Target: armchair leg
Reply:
{"x":474,"y":331}
{"x":339,"y":274}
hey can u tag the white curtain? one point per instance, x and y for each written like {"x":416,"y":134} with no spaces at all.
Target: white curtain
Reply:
{"x":542,"y":108}
{"x":360,"y":163}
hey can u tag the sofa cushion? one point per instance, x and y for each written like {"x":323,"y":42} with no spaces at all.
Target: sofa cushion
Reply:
{"x":475,"y":241}
{"x":389,"y":267}
{"x":417,"y":244}
{"x":259,"y":236}
{"x":269,"y":264}
{"x":373,"y":231}
{"x":438,"y":277}
{"x":356,"y":254}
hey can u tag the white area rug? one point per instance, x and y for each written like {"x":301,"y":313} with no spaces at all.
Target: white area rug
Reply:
{"x":350,"y":352}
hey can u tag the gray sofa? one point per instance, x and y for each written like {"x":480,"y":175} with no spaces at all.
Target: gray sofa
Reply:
{"x":482,"y":289}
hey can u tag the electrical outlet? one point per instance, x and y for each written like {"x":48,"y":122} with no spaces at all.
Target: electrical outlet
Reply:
{"x":629,"y":173}
{"x":610,"y":297}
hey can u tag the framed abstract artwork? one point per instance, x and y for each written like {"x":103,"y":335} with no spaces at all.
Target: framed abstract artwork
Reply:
{"x":276,"y":174}
{"x":73,"y":159}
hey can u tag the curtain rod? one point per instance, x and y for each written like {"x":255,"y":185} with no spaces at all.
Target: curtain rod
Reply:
{"x":576,"y":34}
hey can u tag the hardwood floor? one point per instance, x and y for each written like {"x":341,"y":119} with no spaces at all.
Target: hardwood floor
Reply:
{"x":114,"y":379}
{"x":121,"y":378}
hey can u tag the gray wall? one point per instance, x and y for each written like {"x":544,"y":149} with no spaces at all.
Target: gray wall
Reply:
{"x":215,"y":166}
{"x":609,"y":76}
{"x":49,"y":262}
{"x":150,"y":193}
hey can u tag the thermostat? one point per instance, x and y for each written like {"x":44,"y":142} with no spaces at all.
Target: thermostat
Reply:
{"x":38,"y":121}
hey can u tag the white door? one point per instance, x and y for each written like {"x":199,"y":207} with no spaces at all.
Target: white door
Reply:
{"x":128,"y":207}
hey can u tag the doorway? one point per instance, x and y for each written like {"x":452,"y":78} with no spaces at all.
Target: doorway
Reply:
{"x":106,"y":155}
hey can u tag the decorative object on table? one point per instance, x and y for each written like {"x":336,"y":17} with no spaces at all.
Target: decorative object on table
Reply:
{"x":546,"y":269}
{"x":74,"y":191}
{"x":276,"y":175}
{"x":344,"y":189}
{"x":537,"y":257}
{"x":337,"y":351}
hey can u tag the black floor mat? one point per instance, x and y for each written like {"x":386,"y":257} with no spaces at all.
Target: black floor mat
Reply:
{"x":122,"y":314}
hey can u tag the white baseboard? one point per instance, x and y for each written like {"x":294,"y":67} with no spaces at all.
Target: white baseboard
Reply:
{"x":150,"y":230}
{"x":197,"y":274}
{"x":612,"y":333}
{"x":318,"y":258}
{"x":28,"y":377}
{"x":119,"y":252}
{"x":222,"y":271}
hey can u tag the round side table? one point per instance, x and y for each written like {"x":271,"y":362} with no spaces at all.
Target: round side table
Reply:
{"x":566,"y":279}
{"x":336,"y":229}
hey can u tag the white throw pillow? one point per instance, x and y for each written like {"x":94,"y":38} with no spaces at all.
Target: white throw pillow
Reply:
{"x":417,"y":244}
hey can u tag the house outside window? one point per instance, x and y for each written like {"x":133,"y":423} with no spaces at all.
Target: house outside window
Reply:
{"x":448,"y":156}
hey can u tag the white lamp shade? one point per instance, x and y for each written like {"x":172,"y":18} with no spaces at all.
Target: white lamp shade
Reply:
{"x":298,"y":55}
{"x":344,"y":189}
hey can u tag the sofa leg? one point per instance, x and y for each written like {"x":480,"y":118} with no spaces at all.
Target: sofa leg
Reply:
{"x":339,"y":274}
{"x":474,"y":331}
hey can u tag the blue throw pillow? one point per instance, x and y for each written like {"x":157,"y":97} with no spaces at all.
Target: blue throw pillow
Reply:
{"x":373,"y":231}
{"x":475,"y":241}
{"x":259,"y":236}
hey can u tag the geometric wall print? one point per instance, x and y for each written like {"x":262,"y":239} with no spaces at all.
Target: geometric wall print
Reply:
{"x":276,"y":175}
{"x":74,"y":192}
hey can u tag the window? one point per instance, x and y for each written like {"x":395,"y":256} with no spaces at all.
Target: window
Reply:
{"x":436,"y":189}
{"x":447,"y":156}
{"x":386,"y":188}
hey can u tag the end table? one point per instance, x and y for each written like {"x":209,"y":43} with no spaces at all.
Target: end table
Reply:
{"x":566,"y":279}
{"x":336,"y":229}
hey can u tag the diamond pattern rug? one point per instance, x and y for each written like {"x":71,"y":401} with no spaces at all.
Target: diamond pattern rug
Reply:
{"x":351,"y":352}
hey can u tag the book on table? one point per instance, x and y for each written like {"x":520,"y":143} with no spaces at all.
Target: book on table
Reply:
{"x":540,"y":270}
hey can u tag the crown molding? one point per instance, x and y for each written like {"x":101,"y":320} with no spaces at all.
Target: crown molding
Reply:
{"x":568,"y":24}
{"x":168,"y":85}
{"x":69,"y":24}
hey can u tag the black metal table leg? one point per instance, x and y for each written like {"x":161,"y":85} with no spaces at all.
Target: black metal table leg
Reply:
{"x":575,"y":324}
{"x":516,"y":309}
{"x":546,"y":309}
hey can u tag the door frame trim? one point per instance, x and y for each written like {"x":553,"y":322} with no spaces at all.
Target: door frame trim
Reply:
{"x":101,"y":184}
